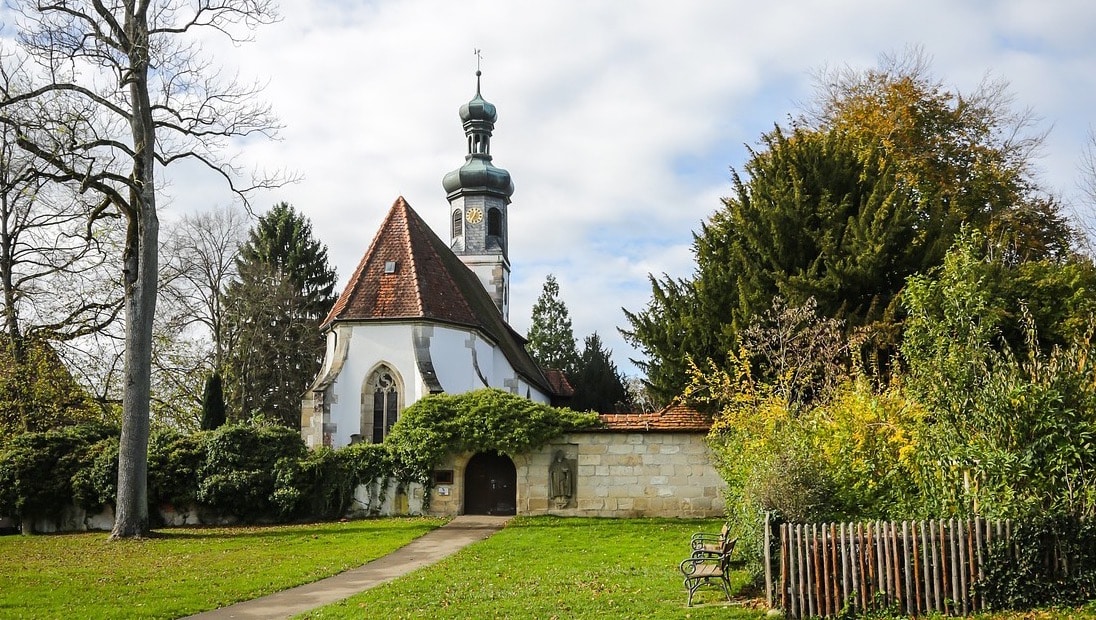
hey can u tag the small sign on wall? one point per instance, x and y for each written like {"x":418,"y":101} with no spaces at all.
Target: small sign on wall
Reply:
{"x":443,"y":491}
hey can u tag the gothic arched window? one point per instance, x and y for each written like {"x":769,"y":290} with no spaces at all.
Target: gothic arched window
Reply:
{"x":457,"y":224}
{"x":494,"y":222}
{"x":380,"y":404}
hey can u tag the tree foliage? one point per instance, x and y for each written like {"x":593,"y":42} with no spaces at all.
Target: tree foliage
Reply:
{"x":283,"y":289}
{"x":598,"y":385}
{"x":213,"y":403}
{"x":551,"y":339}
{"x":37,"y":392}
{"x":846,"y":204}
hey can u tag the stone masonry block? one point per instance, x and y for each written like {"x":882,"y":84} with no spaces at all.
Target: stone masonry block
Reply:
{"x":589,"y":459}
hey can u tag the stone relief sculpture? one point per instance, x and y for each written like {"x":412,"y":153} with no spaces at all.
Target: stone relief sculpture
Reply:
{"x":561,"y":480}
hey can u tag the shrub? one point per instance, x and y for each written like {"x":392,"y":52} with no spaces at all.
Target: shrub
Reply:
{"x":95,"y":484}
{"x":37,"y":469}
{"x":1020,"y":573}
{"x":174,"y":462}
{"x":241,"y":468}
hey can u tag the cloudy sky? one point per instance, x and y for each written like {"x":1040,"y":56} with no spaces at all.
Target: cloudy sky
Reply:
{"x":618,"y":121}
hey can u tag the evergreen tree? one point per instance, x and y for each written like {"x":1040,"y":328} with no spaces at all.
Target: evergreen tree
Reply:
{"x":213,"y":403}
{"x":842,"y":208}
{"x":598,"y":385}
{"x":551,"y":339}
{"x":283,"y":289}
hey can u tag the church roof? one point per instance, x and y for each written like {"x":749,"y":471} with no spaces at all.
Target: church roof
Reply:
{"x":673,"y":418}
{"x":409,"y":273}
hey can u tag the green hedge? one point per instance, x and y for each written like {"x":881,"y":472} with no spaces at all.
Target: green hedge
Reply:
{"x":251,"y":473}
{"x":258,"y":472}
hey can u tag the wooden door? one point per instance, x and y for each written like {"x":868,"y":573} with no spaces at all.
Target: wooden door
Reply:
{"x":490,"y":485}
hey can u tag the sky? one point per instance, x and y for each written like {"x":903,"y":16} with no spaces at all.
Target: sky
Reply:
{"x":619,"y":122}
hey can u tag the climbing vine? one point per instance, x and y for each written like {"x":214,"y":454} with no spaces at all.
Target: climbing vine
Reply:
{"x":488,"y":419}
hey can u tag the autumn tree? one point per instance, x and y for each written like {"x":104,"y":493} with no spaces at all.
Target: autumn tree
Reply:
{"x":283,"y":288}
{"x":102,"y":95}
{"x":869,"y":187}
{"x":551,"y":339}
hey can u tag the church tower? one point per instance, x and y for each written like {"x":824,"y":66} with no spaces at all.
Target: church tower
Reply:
{"x":479,"y":194}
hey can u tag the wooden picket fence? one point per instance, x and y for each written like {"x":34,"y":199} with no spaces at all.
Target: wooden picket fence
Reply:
{"x":915,"y":567}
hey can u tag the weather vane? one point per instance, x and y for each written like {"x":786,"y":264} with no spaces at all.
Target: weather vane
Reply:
{"x":479,"y":57}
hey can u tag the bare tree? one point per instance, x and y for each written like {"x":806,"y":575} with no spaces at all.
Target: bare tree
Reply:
{"x":118,"y":89}
{"x":46,"y":246}
{"x":201,"y":260}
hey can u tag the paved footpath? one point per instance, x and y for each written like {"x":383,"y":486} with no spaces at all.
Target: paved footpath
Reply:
{"x":423,"y":551}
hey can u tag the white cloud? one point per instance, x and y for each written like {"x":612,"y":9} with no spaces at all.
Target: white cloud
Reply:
{"x":618,"y":121}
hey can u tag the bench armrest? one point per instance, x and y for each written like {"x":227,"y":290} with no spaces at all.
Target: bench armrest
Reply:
{"x":688,"y":566}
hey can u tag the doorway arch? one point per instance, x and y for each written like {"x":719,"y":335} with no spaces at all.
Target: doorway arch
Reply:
{"x":490,"y":485}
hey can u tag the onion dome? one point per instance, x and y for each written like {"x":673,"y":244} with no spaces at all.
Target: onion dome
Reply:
{"x":478,"y":175}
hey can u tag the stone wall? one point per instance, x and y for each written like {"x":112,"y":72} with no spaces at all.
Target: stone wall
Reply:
{"x":649,"y":474}
{"x":627,"y":475}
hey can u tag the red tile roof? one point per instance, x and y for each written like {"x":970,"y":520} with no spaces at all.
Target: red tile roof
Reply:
{"x":674,"y":418}
{"x":410,"y":273}
{"x":560,"y":385}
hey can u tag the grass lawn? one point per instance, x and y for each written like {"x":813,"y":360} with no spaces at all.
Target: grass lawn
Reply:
{"x":546,"y":567}
{"x":184,"y":570}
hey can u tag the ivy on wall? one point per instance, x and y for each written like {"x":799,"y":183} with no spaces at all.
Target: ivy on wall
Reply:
{"x":477,"y":421}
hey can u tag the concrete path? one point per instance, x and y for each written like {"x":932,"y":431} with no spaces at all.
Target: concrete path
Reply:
{"x":425,"y":550}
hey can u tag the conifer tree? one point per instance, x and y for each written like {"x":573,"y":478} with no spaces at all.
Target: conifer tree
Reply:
{"x":598,"y":385}
{"x":213,"y":403}
{"x":551,"y":339}
{"x":283,"y":289}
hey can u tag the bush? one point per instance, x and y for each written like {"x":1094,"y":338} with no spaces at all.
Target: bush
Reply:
{"x":95,"y":484}
{"x":174,"y":462}
{"x":242,"y":467}
{"x":37,"y":470}
{"x":1021,"y":573}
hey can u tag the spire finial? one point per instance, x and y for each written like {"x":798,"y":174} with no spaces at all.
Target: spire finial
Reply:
{"x":479,"y":58}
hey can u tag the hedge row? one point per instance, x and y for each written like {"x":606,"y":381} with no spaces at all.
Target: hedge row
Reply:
{"x":255,"y":473}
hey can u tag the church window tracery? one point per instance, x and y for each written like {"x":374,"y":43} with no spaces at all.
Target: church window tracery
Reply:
{"x":380,"y":404}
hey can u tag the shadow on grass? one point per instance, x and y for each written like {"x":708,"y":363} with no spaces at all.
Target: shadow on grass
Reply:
{"x":245,"y":532}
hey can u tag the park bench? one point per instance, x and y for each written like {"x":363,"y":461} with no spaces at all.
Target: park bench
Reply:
{"x":706,"y":541}
{"x":707,"y":567}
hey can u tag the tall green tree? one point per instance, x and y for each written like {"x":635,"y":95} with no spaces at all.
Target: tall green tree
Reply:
{"x":551,"y":339}
{"x":843,"y":206}
{"x":283,"y":289}
{"x":598,"y":385}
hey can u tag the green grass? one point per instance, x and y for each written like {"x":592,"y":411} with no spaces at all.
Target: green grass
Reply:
{"x":545,"y":567}
{"x":185,"y":570}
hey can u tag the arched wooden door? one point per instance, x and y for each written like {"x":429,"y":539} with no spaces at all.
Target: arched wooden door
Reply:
{"x":490,"y":485}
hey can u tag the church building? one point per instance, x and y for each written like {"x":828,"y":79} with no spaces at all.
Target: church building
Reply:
{"x":420,"y":316}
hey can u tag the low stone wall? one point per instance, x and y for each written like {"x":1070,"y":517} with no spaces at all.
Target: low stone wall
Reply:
{"x":615,"y":474}
{"x":626,"y":475}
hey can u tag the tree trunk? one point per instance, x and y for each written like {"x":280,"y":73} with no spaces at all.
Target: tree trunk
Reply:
{"x":139,"y":269}
{"x":131,"y":517}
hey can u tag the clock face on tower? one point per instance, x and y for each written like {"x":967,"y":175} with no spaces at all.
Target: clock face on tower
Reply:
{"x":475,"y":215}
